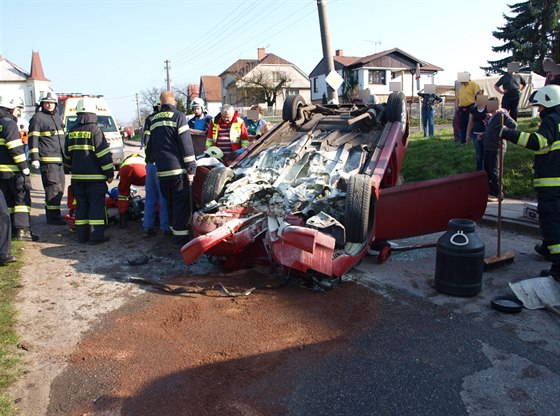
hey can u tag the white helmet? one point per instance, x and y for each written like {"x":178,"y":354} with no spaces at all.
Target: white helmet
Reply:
{"x":197,"y":102}
{"x":547,"y":96}
{"x":86,"y":105}
{"x":214,"y":151}
{"x":49,"y":98}
{"x":11,"y":101}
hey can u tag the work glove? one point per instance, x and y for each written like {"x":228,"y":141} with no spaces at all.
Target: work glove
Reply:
{"x":26,"y":171}
{"x":511,"y":135}
{"x":190,"y":177}
{"x":35,"y":164}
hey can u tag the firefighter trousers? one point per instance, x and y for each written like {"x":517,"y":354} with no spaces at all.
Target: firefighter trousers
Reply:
{"x":177,"y":192}
{"x":5,"y":229}
{"x":16,"y":191}
{"x":90,"y":210}
{"x":52,"y":175}
{"x":549,"y":222}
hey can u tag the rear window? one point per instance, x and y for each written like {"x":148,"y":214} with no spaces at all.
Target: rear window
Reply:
{"x":105,"y":123}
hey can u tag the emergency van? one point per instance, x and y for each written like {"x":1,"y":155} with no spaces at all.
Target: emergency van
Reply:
{"x":67,"y":110}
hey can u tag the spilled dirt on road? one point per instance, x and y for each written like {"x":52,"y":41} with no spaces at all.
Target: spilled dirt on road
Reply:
{"x":207,"y":355}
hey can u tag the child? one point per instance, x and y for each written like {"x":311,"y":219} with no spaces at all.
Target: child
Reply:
{"x":492,"y":142}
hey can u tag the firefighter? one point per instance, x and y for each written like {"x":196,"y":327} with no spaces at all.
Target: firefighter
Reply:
{"x":14,"y":172}
{"x":172,"y":147}
{"x":131,"y":172}
{"x":546,"y":145}
{"x":154,"y":197}
{"x":89,"y":160}
{"x":200,"y":121}
{"x":46,"y":147}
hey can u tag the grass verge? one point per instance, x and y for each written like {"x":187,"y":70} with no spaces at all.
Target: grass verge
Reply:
{"x":10,"y":359}
{"x":441,"y":156}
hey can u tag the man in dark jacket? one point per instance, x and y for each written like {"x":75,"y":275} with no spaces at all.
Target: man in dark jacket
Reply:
{"x":546,"y":144}
{"x":14,"y":172}
{"x":172,"y":148}
{"x":88,"y":158}
{"x":46,"y":143}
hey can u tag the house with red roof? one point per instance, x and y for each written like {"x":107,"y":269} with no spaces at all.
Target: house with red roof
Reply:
{"x":245,"y":75}
{"x":31,"y":86}
{"x":210,"y":90}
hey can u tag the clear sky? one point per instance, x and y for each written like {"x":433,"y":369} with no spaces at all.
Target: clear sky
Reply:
{"x":118,"y":47}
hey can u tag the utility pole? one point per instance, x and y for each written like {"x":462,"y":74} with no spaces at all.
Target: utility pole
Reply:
{"x":138,"y":111}
{"x":167,"y":78}
{"x":332,"y":95}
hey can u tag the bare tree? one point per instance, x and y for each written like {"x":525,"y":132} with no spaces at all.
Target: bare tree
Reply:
{"x":148,"y":99}
{"x":259,"y":86}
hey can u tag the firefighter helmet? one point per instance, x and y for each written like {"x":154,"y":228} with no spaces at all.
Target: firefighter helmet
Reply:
{"x":547,"y":96}
{"x":49,"y":98}
{"x":11,"y":101}
{"x":214,"y":151}
{"x":197,"y":102}
{"x":86,"y":105}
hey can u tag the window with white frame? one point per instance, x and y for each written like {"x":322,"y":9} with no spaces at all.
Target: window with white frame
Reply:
{"x":315,"y":88}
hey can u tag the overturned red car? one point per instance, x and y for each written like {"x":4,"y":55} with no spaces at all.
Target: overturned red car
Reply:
{"x":317,"y":189}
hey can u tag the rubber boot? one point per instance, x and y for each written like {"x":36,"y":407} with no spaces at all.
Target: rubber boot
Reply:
{"x":23,"y":234}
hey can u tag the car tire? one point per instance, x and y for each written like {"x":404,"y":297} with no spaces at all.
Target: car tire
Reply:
{"x":291,"y":106}
{"x":215,"y":183}
{"x":396,"y":107}
{"x":357,"y":215}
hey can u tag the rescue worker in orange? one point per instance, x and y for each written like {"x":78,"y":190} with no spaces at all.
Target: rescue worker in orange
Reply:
{"x":24,"y":135}
{"x":131,"y":172}
{"x":228,"y":132}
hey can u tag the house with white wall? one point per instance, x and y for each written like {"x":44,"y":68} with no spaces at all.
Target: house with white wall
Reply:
{"x":234,"y":79}
{"x":30,"y":86}
{"x":210,"y":90}
{"x":374,"y":73}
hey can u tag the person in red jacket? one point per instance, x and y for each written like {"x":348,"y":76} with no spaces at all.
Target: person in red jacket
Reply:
{"x":131,"y":172}
{"x":228,"y":132}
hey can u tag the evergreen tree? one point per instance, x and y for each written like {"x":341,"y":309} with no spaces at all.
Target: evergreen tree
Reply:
{"x":532,"y":34}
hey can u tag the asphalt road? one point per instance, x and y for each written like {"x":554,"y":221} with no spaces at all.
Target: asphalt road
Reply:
{"x":428,"y":353}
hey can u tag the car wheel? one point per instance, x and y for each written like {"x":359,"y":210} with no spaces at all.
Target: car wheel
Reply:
{"x":290,"y":108}
{"x":396,"y":107}
{"x":357,"y":215}
{"x":214,"y":184}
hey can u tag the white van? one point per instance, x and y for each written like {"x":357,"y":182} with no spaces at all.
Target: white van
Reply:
{"x":67,"y":109}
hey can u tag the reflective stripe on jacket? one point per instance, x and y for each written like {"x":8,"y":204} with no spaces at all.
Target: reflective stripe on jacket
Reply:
{"x":12,"y":154}
{"x":171,"y":143}
{"x":88,"y":155}
{"x":46,"y":138}
{"x":237,"y":134}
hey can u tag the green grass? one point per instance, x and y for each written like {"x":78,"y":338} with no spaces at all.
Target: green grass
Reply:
{"x":441,"y":156}
{"x":10,"y":361}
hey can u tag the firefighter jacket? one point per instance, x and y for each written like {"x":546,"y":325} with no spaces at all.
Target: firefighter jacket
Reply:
{"x":146,"y":138}
{"x":12,"y":154}
{"x":88,"y":156}
{"x":238,"y":135}
{"x":546,"y":144}
{"x":171,"y":143}
{"x":46,"y":138}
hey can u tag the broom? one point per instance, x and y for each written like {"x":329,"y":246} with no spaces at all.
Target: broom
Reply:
{"x":498,"y":260}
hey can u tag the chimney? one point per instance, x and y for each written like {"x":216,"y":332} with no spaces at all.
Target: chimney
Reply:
{"x":261,"y":53}
{"x":339,"y":52}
